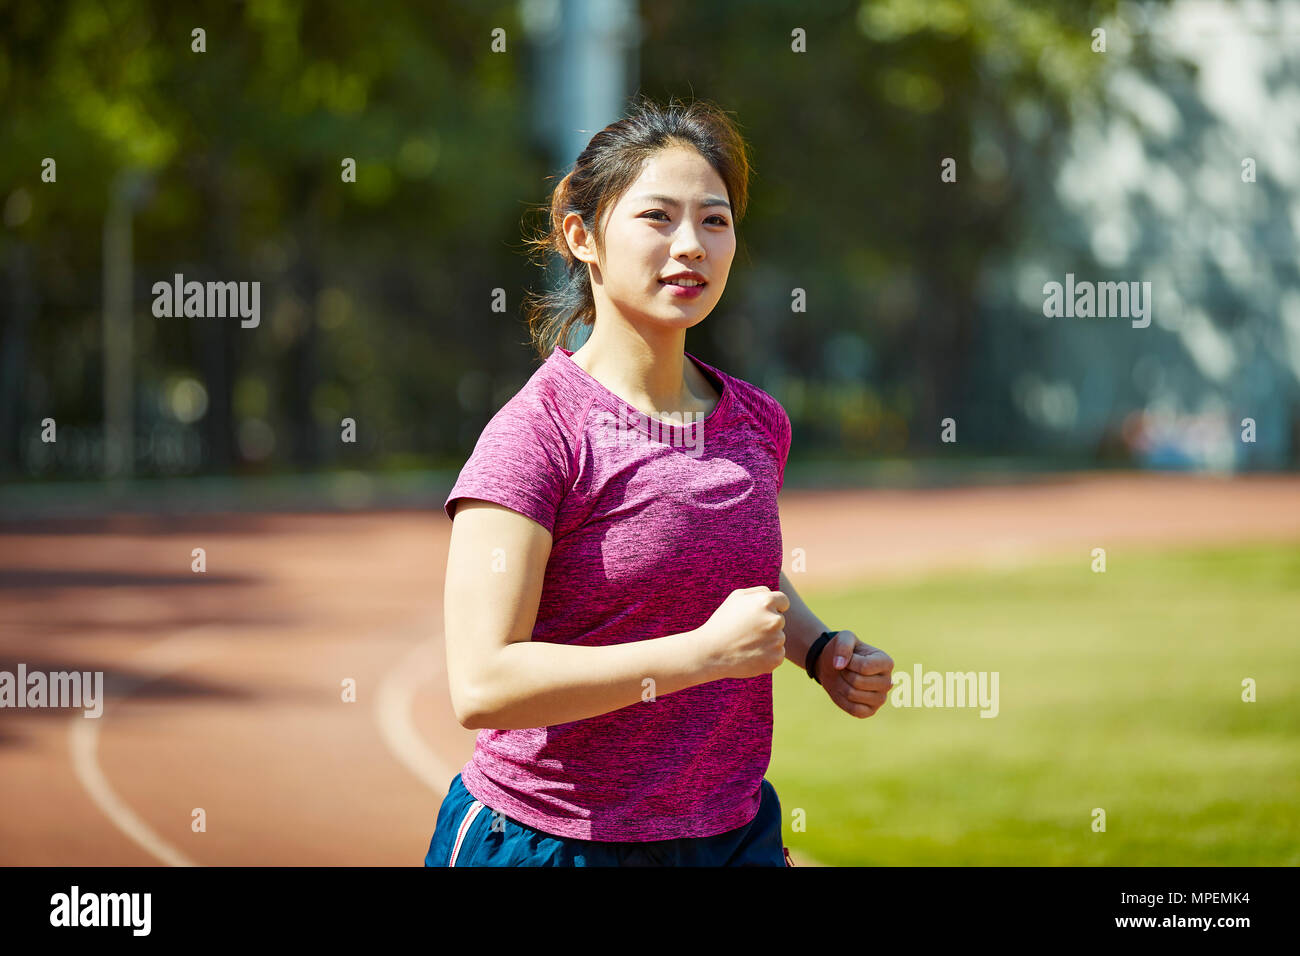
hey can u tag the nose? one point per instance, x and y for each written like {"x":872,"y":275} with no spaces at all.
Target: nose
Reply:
{"x":686,"y":242}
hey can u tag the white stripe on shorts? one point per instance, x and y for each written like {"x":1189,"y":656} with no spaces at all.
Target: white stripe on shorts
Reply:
{"x":470,"y":814}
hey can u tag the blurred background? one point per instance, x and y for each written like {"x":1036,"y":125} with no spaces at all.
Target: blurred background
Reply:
{"x":924,"y":297}
{"x":1163,"y":149}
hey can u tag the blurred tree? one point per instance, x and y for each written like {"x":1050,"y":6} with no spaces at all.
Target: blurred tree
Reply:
{"x":376,"y":293}
{"x":244,"y":142}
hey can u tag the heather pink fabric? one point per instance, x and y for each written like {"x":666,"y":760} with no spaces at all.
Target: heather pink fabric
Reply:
{"x":650,"y":533}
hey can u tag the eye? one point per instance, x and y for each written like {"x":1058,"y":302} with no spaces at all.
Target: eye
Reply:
{"x":719,"y":220}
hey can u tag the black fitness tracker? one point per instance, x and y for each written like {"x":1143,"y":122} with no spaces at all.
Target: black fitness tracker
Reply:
{"x":815,"y":652}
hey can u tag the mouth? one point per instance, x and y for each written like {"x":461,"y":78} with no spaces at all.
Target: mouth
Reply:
{"x":684,"y":283}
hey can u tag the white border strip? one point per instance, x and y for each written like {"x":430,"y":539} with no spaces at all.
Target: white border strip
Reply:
{"x":465,"y":824}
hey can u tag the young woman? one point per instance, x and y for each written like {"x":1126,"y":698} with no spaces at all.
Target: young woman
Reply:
{"x":615,"y":604}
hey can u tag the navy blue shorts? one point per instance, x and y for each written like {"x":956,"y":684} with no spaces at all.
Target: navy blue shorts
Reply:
{"x":466,"y":835}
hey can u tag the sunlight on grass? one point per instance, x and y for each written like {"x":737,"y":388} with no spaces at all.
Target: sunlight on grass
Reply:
{"x":1119,"y":690}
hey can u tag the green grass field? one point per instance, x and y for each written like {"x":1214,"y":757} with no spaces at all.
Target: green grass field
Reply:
{"x":1120,"y":690}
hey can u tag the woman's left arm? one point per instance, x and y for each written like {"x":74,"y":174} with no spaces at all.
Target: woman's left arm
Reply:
{"x":855,"y":675}
{"x":802,"y":626}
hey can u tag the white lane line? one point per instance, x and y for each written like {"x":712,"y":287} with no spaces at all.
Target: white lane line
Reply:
{"x":159,"y":660}
{"x":393,"y":706}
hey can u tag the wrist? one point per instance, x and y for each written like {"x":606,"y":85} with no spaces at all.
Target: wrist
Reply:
{"x":815,"y":653}
{"x":704,"y":660}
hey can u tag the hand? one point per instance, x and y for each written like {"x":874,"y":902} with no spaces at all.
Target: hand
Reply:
{"x":861,"y":678}
{"x":745,"y":636}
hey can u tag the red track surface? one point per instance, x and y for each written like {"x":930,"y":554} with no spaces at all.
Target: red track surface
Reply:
{"x":225,"y":687}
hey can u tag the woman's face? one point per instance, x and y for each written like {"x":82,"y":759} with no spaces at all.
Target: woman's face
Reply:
{"x":674,"y":218}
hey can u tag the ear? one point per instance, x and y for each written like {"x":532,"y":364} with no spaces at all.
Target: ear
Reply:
{"x":580,"y":240}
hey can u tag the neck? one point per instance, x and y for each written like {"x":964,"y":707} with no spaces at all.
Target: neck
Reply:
{"x":651,"y":372}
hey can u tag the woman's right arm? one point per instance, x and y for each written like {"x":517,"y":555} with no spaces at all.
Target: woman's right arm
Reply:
{"x":503,"y":680}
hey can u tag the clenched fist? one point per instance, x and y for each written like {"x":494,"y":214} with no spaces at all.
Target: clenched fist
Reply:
{"x":745,"y":636}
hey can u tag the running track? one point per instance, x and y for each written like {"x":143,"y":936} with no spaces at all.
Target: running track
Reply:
{"x":224,"y":688}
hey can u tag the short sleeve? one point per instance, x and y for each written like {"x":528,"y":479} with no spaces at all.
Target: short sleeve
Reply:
{"x":783,"y":439}
{"x":775,"y":421}
{"x":522,"y":460}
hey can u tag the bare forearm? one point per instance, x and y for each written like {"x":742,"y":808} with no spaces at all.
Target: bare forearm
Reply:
{"x":802,"y":626}
{"x":539,"y":684}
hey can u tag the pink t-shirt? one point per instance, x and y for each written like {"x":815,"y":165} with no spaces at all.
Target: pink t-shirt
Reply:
{"x":652,"y":526}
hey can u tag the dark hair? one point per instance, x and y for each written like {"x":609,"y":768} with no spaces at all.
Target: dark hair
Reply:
{"x":609,"y":164}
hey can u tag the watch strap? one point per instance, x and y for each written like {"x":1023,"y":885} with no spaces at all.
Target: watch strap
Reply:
{"x":814,"y":652}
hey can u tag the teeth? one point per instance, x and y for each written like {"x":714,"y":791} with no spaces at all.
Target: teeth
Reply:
{"x":686,"y":282}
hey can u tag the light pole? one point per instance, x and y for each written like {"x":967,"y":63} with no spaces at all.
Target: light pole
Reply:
{"x":129,"y":186}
